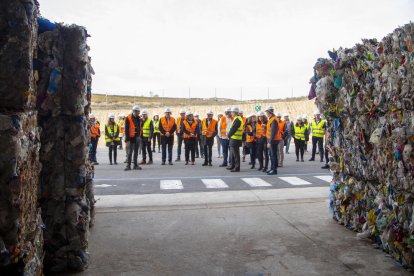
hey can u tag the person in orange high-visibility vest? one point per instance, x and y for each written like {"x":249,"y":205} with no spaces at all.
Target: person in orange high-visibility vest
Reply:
{"x":167,"y":128}
{"x":261,"y":142}
{"x":223,"y":130}
{"x":180,"y":136}
{"x":190,"y":130}
{"x":273,"y":136}
{"x":199,"y":145}
{"x":219,"y":116}
{"x":250,"y":138}
{"x":208,"y":132}
{"x":95,"y":131}
{"x":133,"y":126}
{"x":282,"y":129}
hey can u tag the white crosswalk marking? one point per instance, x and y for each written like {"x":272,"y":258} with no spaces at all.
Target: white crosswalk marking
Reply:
{"x":214,"y":183}
{"x":327,"y":178}
{"x":256,"y":182}
{"x":171,"y":185}
{"x":295,"y":181}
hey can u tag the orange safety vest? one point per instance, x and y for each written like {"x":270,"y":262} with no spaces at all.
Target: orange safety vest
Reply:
{"x":95,"y":130}
{"x":278,"y":135}
{"x":249,"y":138}
{"x":190,"y":128}
{"x":260,"y":130}
{"x":208,"y":131}
{"x":179,"y":125}
{"x":223,"y":127}
{"x":244,"y":119}
{"x":167,"y":127}
{"x":281,"y":127}
{"x":132,"y":127}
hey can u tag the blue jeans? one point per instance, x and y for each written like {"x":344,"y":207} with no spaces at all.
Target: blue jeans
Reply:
{"x":273,"y":158}
{"x":180,"y":139}
{"x":92,"y":151}
{"x":167,"y":142}
{"x":225,"y":146}
{"x":288,"y":139}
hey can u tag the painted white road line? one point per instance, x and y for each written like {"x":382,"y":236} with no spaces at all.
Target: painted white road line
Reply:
{"x":214,"y":183}
{"x":103,"y":185}
{"x":256,"y":182}
{"x":327,"y":178}
{"x":171,"y":185}
{"x":295,"y":181}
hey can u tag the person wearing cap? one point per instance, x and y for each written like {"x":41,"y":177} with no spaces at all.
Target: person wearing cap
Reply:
{"x":224,"y":125}
{"x":318,"y":128}
{"x":167,"y":128}
{"x":112,"y":138}
{"x":94,"y":127}
{"x":208,"y":132}
{"x":261,"y":142}
{"x":199,"y":144}
{"x":273,"y":136}
{"x":250,"y":138}
{"x":307,"y":125}
{"x":190,"y":130}
{"x":236,"y":138}
{"x":156,"y":138}
{"x":133,"y":126}
{"x":289,"y":132}
{"x":282,"y":129}
{"x":219,"y":116}
{"x":121,"y":124}
{"x":180,"y":137}
{"x":299,"y":138}
{"x":146,"y":137}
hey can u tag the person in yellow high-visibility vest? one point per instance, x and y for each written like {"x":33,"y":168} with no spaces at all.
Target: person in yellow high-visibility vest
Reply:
{"x":112,"y":138}
{"x":318,"y":128}
{"x":146,"y":137}
{"x":299,"y":134}
{"x":236,"y":136}
{"x":156,"y":138}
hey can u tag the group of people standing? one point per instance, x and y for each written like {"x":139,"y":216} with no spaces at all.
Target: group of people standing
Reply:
{"x":262,"y":136}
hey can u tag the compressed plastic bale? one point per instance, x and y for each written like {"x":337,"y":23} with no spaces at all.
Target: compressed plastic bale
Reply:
{"x":368,"y":93}
{"x":18,"y":32}
{"x":20,"y":223}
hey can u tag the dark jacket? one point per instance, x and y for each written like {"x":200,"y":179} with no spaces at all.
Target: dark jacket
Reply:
{"x":162,"y":130}
{"x":274,"y":128}
{"x":138,"y":124}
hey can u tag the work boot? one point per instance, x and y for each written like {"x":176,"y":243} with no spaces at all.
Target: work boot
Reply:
{"x":303,"y":160}
{"x":150,"y":162}
{"x":264,"y":169}
{"x":126,"y":161}
{"x":210,"y":164}
{"x":127,"y":168}
{"x":192,"y":163}
{"x":186,"y":162}
{"x":178,"y":159}
{"x":235,"y":170}
{"x":253,"y":166}
{"x":244,"y":159}
{"x":197,"y":156}
{"x":136,"y":167}
{"x":170,"y":163}
{"x":312,"y":159}
{"x":321,"y":160}
{"x":204,"y":164}
{"x":115,"y":163}
{"x":230,"y":168}
{"x":143,"y":162}
{"x":272,"y":172}
{"x":325,"y":167}
{"x":223,"y":165}
{"x":163,"y":163}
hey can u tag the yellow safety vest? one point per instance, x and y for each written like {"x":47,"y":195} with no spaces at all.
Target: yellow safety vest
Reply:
{"x":157,"y":127}
{"x":238,"y":135}
{"x":109,"y":131}
{"x":146,"y":128}
{"x":300,"y":132}
{"x":317,"y":130}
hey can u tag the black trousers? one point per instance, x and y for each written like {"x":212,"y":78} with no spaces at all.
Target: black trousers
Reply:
{"x":235,"y":152}
{"x":262,"y":155}
{"x":199,"y":147}
{"x":299,"y":148}
{"x":180,"y":140}
{"x":146,"y":147}
{"x":253,"y":151}
{"x":156,"y":138}
{"x":190,"y":146}
{"x":167,"y":142}
{"x":133,"y":148}
{"x":208,"y":149}
{"x":112,"y":149}
{"x":319,"y":141}
{"x":326,"y":155}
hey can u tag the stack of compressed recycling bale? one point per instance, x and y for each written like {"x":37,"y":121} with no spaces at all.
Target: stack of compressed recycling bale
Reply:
{"x":21,"y":241}
{"x":367,"y":93}
{"x":66,"y":178}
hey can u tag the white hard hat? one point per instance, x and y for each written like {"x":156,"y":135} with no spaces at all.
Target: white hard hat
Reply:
{"x":92,"y":116}
{"x":228,"y":109}
{"x":299,"y":118}
{"x":144,"y":112}
{"x":241,"y":111}
{"x":286,"y":115}
{"x":167,"y":110}
{"x":317,"y":112}
{"x":111,"y":116}
{"x":120,"y":115}
{"x":136,"y":108}
{"x":156,"y":114}
{"x":188,"y":113}
{"x":261,"y":113}
{"x":278,"y":114}
{"x":235,"y":109}
{"x":270,"y":108}
{"x":130,"y":112}
{"x":210,"y":112}
{"x":182,"y":111}
{"x":305,"y":116}
{"x":220,"y":113}
{"x":196,"y":114}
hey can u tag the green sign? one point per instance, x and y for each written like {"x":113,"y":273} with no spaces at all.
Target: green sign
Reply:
{"x":258,"y":108}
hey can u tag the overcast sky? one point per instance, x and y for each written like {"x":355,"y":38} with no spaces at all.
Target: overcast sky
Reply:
{"x":240,"y":47}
